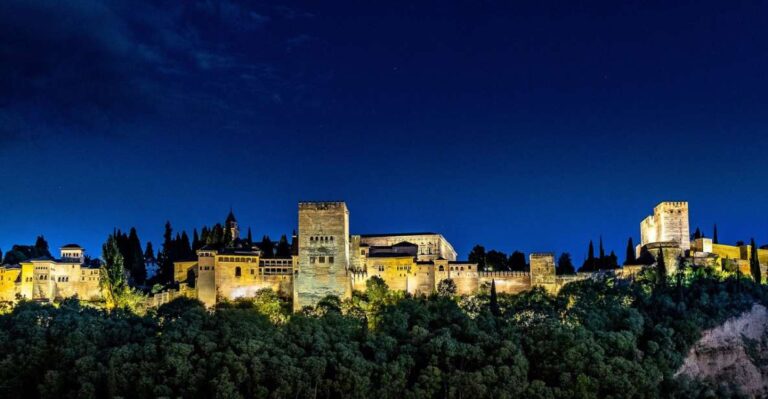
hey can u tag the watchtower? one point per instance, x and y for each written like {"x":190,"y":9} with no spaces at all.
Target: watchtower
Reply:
{"x":323,"y":262}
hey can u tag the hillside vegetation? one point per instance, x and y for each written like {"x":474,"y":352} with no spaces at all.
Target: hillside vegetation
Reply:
{"x":605,"y":338}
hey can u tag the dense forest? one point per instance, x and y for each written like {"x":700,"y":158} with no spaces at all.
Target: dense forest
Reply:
{"x":604,"y":338}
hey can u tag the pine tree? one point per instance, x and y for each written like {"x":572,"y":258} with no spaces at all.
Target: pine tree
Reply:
{"x":135,"y":260}
{"x":754,"y":264}
{"x":714,"y":235}
{"x":661,"y":268}
{"x":494,"y":305}
{"x":631,"y":259}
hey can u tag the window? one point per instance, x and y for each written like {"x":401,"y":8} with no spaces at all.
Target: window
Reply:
{"x":252,"y":272}
{"x":330,"y":259}
{"x":321,"y":259}
{"x":238,"y":271}
{"x":441,"y":268}
{"x":311,"y":259}
{"x":362,"y":252}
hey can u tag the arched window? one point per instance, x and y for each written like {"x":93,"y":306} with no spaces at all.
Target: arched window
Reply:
{"x":441,"y":268}
{"x":238,"y":272}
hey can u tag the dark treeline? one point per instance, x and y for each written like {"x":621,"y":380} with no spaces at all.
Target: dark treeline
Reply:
{"x":602,"y":261}
{"x":601,"y":338}
{"x":21,"y":253}
{"x":494,"y":260}
{"x":499,"y":261}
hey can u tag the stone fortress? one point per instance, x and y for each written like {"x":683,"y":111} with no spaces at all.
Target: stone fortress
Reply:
{"x":327,"y":260}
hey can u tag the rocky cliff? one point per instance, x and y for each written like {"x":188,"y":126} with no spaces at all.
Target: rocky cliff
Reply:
{"x":734,"y":353}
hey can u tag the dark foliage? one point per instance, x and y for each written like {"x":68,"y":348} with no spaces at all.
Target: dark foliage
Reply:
{"x":594,"y":339}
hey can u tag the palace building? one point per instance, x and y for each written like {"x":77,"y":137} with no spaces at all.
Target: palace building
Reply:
{"x":328,"y":260}
{"x":50,"y":279}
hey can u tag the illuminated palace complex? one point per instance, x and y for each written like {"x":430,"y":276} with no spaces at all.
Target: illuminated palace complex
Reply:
{"x":327,"y":260}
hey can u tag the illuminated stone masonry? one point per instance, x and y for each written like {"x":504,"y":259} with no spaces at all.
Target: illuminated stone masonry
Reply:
{"x":47,"y":279}
{"x":327,"y":260}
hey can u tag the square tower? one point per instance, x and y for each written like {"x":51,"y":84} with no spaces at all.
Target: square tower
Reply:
{"x":323,"y":262}
{"x":543,"y":270}
{"x":669,"y":223}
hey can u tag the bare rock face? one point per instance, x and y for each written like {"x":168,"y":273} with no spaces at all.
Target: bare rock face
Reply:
{"x":733,"y":353}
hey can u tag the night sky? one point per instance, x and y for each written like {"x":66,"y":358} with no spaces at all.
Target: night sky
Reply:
{"x":533,"y":126}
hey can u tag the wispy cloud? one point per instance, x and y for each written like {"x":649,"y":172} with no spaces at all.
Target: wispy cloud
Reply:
{"x":91,"y":65}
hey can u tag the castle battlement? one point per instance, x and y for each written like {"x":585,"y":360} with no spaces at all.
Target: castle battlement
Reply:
{"x":503,"y":274}
{"x":321,"y":205}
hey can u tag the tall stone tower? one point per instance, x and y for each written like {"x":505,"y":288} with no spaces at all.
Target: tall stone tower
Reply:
{"x":323,"y":262}
{"x":669,"y":223}
{"x":543,"y":271}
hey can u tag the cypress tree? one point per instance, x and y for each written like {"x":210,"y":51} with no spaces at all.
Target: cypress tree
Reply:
{"x":41,"y":248}
{"x":565,"y":265}
{"x":612,"y":262}
{"x":185,"y":251}
{"x":166,"y":256}
{"x":135,"y":260}
{"x":149,"y":253}
{"x":250,"y":237}
{"x":589,"y":264}
{"x":631,"y":259}
{"x":477,"y":255}
{"x":227,"y":240}
{"x":195,"y":240}
{"x":754,"y":264}
{"x":661,"y":268}
{"x":602,"y":250}
{"x":283,"y":248}
{"x":697,"y":234}
{"x":1,"y":256}
{"x":714,"y":235}
{"x":267,"y":247}
{"x":494,"y":305}
{"x":204,"y":236}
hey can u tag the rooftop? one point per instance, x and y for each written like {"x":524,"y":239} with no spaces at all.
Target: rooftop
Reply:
{"x":429,"y":233}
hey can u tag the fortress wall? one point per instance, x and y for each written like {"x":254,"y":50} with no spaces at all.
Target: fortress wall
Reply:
{"x":506,"y":282}
{"x":422,"y":280}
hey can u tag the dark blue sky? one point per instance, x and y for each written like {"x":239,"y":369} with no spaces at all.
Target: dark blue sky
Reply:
{"x":520,"y":125}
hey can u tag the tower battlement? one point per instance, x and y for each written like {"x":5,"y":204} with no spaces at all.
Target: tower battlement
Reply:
{"x":669,"y":223}
{"x":321,"y":205}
